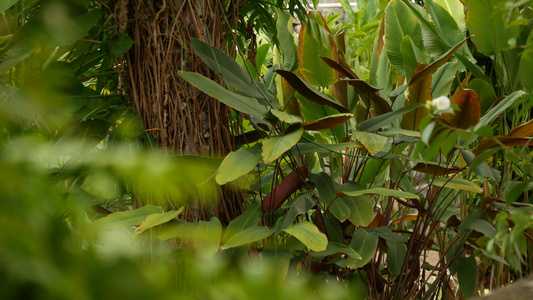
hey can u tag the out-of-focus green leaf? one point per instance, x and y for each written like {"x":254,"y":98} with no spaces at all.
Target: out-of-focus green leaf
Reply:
{"x":248,"y":236}
{"x":206,"y":237}
{"x":241,"y":103}
{"x":309,"y":235}
{"x":66,"y":33}
{"x":238,"y":163}
{"x":128,"y":217}
{"x":526,"y":64}
{"x":275,"y":147}
{"x":6,"y":4}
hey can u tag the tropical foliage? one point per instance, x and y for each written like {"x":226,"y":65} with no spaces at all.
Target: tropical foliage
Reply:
{"x":385,"y":154}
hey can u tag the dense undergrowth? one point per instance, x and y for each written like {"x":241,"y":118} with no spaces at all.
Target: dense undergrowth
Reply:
{"x":385,"y":155}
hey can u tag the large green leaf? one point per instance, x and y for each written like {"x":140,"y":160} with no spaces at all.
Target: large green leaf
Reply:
{"x":238,"y":163}
{"x":495,"y":26}
{"x":374,"y":143}
{"x":381,"y":192}
{"x":456,"y":9}
{"x":399,"y":22}
{"x":313,"y":69}
{"x":275,"y":147}
{"x":248,"y":236}
{"x":286,"y":40}
{"x":361,"y":209}
{"x":128,"y":217}
{"x":241,"y":103}
{"x":445,"y":23}
{"x":457,"y":183}
{"x":234,"y":75}
{"x":248,"y":218}
{"x":467,"y":275}
{"x":365,"y":244}
{"x":385,"y":119}
{"x":395,"y":256}
{"x":309,"y":235}
{"x":158,"y":219}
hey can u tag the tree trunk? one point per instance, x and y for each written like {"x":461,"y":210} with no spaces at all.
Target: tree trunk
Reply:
{"x":181,"y":119}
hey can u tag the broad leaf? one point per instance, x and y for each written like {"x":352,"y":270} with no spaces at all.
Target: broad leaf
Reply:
{"x":374,"y":143}
{"x":120,"y":44}
{"x":395,"y":256}
{"x":494,"y":26}
{"x":309,"y":235}
{"x":206,"y":237}
{"x":526,"y":64}
{"x":457,"y":183}
{"x":399,"y":22}
{"x":286,"y":40}
{"x":72,"y":29}
{"x":419,"y":92}
{"x":285,"y":117}
{"x":238,"y":163}
{"x":365,"y":244}
{"x":274,"y":147}
{"x":443,"y":79}
{"x":234,"y":75}
{"x":6,"y":4}
{"x":158,"y":219}
{"x":314,"y":70}
{"x":128,"y":217}
{"x":467,"y":275}
{"x":248,"y":236}
{"x":241,"y":103}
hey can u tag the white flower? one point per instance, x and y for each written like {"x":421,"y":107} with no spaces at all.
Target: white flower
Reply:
{"x":441,"y":103}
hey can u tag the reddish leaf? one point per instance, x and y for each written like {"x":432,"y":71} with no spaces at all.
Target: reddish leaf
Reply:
{"x":507,"y":141}
{"x":435,"y":169}
{"x":344,"y":70}
{"x":376,"y":222}
{"x":327,"y":122}
{"x":285,"y":189}
{"x":470,"y":110}
{"x":419,"y":92}
{"x":308,"y":91}
{"x":525,"y":130}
